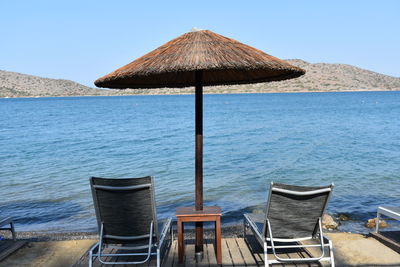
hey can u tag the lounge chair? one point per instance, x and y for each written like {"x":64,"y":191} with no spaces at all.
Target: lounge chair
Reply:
{"x":292,"y":217}
{"x":8,"y":221}
{"x":127,"y":221}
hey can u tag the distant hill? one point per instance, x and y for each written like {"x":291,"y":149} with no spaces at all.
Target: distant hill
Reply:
{"x":13,"y":84}
{"x":322,"y":77}
{"x":319,"y":77}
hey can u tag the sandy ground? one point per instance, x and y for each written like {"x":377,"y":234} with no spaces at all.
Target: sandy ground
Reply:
{"x":48,"y":253}
{"x":358,"y":250}
{"x":351,"y":250}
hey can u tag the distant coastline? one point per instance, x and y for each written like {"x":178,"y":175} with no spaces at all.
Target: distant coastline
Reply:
{"x":319,"y":77}
{"x":206,"y":93}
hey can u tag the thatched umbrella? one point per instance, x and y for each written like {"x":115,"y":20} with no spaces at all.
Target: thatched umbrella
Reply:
{"x":199,"y":58}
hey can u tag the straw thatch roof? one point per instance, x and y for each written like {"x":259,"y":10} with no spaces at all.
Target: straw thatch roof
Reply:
{"x":223,"y":61}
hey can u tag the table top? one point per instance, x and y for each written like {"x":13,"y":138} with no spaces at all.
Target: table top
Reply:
{"x":191,"y":211}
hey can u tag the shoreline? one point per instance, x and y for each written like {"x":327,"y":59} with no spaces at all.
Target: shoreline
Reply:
{"x":228,"y":231}
{"x":210,"y":93}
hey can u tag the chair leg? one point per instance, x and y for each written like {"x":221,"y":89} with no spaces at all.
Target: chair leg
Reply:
{"x":378,"y":218}
{"x":331,"y":254}
{"x":91,"y":253}
{"x":172,"y":234}
{"x":266,"y":262}
{"x":158,"y":258}
{"x":244,"y":228}
{"x":90,"y":258}
{"x":14,"y":236}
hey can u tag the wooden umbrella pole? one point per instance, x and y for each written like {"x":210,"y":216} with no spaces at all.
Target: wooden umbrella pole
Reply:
{"x":199,"y":157}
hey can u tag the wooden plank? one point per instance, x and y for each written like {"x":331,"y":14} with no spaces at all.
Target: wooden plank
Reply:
{"x":258,"y":252}
{"x":255,"y":249}
{"x":110,"y":258}
{"x":226,"y":255}
{"x":288,"y":255}
{"x":235,"y":253}
{"x":9,"y":246}
{"x":169,"y":258}
{"x":175,"y":262}
{"x":212,"y":260}
{"x":205,"y":262}
{"x":189,"y":259}
{"x":247,"y":255}
{"x":151,"y":262}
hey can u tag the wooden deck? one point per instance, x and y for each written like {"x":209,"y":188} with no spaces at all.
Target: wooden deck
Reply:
{"x":390,"y":239}
{"x":7,"y":247}
{"x":235,"y":253}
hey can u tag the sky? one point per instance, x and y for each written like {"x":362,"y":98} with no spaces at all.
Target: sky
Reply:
{"x":84,"y":40}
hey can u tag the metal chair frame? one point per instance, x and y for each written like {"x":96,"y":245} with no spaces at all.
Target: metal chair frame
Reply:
{"x":5,"y":221}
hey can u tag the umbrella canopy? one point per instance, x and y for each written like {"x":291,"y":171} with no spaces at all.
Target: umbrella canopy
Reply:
{"x":223,"y":61}
{"x":199,"y":58}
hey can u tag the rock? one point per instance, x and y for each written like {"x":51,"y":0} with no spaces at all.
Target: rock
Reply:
{"x":343,"y":217}
{"x":329,"y":223}
{"x":371,"y":223}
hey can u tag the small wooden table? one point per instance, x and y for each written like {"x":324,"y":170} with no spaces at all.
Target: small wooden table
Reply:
{"x":208,"y":214}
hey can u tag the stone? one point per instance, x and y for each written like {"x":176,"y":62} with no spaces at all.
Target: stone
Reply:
{"x":344,"y":217}
{"x":328,"y":223}
{"x":371,"y":223}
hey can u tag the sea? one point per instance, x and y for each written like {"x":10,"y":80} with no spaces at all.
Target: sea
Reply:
{"x":50,"y":147}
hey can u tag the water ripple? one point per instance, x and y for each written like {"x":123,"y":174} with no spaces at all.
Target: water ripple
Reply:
{"x":51,"y":146}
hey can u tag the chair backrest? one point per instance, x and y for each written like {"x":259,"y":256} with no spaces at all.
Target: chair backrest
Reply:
{"x":293,"y":211}
{"x":125,"y":207}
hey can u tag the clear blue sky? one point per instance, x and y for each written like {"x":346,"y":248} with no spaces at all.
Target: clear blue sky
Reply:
{"x":83,"y":40}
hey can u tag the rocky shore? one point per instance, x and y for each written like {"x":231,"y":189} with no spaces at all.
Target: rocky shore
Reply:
{"x":330,"y":224}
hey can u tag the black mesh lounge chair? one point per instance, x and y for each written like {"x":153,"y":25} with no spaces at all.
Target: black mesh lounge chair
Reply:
{"x":8,"y":221}
{"x":292,"y":220}
{"x":127,"y":221}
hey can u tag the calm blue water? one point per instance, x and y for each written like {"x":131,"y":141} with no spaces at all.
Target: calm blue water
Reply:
{"x":49,"y":147}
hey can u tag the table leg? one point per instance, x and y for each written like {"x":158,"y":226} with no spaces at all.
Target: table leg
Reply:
{"x":218,"y":250}
{"x":181,"y":248}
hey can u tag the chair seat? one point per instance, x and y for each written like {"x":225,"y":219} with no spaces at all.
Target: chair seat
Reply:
{"x":162,"y":224}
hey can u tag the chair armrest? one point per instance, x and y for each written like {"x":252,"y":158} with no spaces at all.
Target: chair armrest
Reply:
{"x":254,"y":228}
{"x":166,"y":226}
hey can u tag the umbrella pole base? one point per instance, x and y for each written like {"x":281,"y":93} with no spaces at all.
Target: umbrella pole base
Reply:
{"x":199,"y":256}
{"x":199,"y":239}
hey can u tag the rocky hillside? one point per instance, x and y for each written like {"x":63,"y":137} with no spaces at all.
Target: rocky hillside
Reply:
{"x":13,"y":84}
{"x":336,"y":77}
{"x":319,"y":77}
{"x":322,"y":77}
